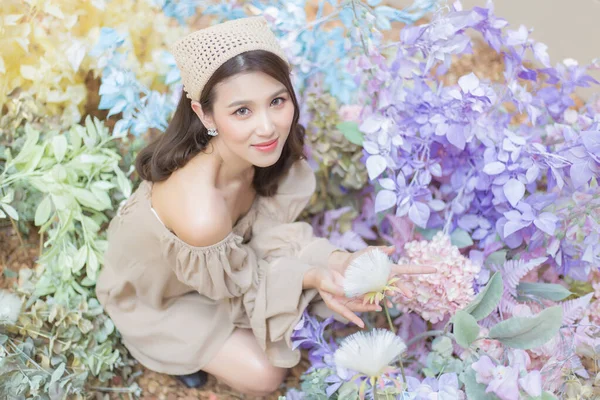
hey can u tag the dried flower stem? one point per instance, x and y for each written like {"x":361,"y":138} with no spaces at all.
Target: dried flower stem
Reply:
{"x":41,"y":243}
{"x":375,"y":394}
{"x":14,"y":225}
{"x":424,"y":335}
{"x":393,"y":329}
{"x":387,"y":314}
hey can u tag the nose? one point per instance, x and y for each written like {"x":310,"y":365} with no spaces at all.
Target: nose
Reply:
{"x":266,"y":126}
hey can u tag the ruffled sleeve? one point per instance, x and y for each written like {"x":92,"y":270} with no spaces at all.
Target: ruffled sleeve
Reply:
{"x":275,"y":233}
{"x":286,"y":250}
{"x":224,"y":270}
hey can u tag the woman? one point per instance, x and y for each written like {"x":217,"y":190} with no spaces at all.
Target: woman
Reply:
{"x":206,"y":270}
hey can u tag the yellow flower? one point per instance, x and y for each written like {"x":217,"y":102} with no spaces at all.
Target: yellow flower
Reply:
{"x":44,"y":46}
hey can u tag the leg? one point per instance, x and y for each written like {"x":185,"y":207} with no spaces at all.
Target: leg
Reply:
{"x":242,"y":364}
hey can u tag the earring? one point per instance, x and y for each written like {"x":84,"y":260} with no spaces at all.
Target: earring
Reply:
{"x":213,"y":132}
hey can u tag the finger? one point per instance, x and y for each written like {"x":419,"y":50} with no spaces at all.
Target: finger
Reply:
{"x":404,"y":289}
{"x":338,"y":278}
{"x":331,"y":287}
{"x":389,"y":250}
{"x":342,"y":310}
{"x":360,"y":307}
{"x":412,"y":269}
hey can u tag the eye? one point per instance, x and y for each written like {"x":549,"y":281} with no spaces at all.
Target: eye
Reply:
{"x":278,"y":101}
{"x":242,"y":112}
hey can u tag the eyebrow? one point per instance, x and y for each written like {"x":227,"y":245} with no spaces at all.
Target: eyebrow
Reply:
{"x":240,"y":102}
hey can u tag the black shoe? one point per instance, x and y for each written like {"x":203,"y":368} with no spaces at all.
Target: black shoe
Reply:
{"x":193,"y":381}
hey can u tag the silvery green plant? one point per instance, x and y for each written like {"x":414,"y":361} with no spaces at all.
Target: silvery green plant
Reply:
{"x":78,"y":179}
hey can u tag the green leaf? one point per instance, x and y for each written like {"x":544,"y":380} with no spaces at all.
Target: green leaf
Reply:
{"x":496,"y":258}
{"x":100,"y":128}
{"x":58,"y":373}
{"x":528,"y":332}
{"x":92,"y":134}
{"x":550,"y":291}
{"x":59,"y":147}
{"x":32,"y":137}
{"x":350,"y":131}
{"x":85,"y":325}
{"x":92,"y":264}
{"x":465,"y":328}
{"x":87,"y":198}
{"x":9,"y":273}
{"x":461,"y":238}
{"x":102,"y":196}
{"x":487,"y":299}
{"x":548,"y":396}
{"x":75,"y":137}
{"x":80,"y":259}
{"x":475,"y":390}
{"x":43,"y":211}
{"x":10,"y":196}
{"x":33,"y":158}
{"x":123,"y":182}
{"x":428,"y":234}
{"x":10,"y":211}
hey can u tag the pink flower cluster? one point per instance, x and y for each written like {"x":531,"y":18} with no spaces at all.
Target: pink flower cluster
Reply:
{"x":443,"y":293}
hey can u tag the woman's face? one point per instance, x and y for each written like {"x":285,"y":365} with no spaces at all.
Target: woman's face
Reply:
{"x":253,"y":114}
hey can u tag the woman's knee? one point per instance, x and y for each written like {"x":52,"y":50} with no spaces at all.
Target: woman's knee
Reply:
{"x":262,"y":378}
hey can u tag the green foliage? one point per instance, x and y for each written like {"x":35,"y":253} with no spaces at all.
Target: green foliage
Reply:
{"x":487,"y":299}
{"x":528,"y":332}
{"x":549,"y":291}
{"x":351,"y":132}
{"x":465,"y":328}
{"x":338,"y":156}
{"x":67,"y":184}
{"x":440,"y":359}
{"x":461,"y":238}
{"x":314,"y":386}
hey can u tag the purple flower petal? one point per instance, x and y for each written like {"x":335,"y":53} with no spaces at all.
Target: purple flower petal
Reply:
{"x":591,"y":141}
{"x":511,"y":227}
{"x":419,"y":214}
{"x":385,"y":199}
{"x":375,"y":166}
{"x":540,"y":52}
{"x":514,"y":191}
{"x":494,"y":168}
{"x":580,"y":173}
{"x":468,"y":83}
{"x":456,"y":136}
{"x":532,"y":383}
{"x":546,"y":222}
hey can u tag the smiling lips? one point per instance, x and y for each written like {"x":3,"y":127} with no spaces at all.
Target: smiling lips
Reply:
{"x":266,"y":146}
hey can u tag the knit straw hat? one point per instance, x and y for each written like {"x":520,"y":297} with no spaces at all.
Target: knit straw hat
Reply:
{"x":199,"y":54}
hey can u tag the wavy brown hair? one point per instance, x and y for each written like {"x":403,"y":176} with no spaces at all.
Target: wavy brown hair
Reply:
{"x":186,"y":136}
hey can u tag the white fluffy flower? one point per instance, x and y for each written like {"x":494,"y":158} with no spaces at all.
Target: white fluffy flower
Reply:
{"x":369,"y":353}
{"x":367,"y":273}
{"x":10,"y":308}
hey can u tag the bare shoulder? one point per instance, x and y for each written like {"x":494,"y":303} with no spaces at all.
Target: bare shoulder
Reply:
{"x":195,"y":212}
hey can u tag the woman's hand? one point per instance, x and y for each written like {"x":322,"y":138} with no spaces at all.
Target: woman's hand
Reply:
{"x":329,"y":283}
{"x":339,"y":262}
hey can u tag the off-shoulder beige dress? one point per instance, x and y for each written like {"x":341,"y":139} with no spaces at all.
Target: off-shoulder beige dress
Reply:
{"x":175,"y":305}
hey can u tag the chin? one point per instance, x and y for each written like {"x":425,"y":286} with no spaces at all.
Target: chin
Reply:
{"x":266,"y":161}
